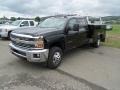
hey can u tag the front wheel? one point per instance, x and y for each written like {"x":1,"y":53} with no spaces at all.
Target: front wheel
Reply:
{"x":55,"y":57}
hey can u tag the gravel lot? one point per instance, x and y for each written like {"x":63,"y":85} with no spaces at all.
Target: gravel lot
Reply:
{"x":17,"y":74}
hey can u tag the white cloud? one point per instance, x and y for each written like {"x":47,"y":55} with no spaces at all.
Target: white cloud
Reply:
{"x":50,"y":7}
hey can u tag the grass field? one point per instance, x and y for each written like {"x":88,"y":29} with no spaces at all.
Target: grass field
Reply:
{"x":113,"y":37}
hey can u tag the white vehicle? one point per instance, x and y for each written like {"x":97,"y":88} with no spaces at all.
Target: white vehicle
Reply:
{"x":5,"y":30}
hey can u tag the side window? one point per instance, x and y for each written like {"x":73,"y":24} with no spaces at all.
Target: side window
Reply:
{"x":82,"y":22}
{"x":31,"y":23}
{"x":71,"y":24}
{"x":25,"y":23}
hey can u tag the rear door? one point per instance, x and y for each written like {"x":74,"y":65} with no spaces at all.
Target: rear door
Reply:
{"x":32,"y":24}
{"x":83,"y":30}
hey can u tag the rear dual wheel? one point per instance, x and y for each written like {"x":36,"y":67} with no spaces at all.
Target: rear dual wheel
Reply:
{"x":96,"y":44}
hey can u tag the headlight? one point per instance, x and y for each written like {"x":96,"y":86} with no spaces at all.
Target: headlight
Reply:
{"x":39,"y":42}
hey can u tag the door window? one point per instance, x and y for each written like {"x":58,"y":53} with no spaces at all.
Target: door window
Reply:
{"x":71,"y":24}
{"x":31,"y":23}
{"x":25,"y":23}
{"x":82,"y":21}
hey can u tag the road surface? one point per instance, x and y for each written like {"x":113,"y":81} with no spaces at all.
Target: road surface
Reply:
{"x":82,"y":69}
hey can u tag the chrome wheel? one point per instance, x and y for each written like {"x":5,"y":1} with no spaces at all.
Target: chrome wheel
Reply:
{"x":56,"y":58}
{"x":98,"y":42}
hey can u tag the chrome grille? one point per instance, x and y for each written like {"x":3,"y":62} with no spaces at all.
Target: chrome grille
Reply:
{"x":22,"y":42}
{"x":23,"y":45}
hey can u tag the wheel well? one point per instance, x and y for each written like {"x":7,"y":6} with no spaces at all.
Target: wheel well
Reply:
{"x":58,"y":44}
{"x":9,"y":32}
{"x":102,"y":37}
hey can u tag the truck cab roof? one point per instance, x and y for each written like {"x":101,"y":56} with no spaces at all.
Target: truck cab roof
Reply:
{"x":90,"y":20}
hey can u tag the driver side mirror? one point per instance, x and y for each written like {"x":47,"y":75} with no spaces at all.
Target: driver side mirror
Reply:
{"x":21,"y":25}
{"x":76,"y":27}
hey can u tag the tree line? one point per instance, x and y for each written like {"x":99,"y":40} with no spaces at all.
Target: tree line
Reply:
{"x":37,"y":18}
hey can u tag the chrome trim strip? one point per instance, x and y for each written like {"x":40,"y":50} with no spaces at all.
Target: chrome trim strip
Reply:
{"x":18,"y":54}
{"x":11,"y":45}
{"x":23,"y":41}
{"x":36,"y":48}
{"x":26,"y":36}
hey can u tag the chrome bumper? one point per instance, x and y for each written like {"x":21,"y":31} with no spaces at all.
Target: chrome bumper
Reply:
{"x":30,"y":55}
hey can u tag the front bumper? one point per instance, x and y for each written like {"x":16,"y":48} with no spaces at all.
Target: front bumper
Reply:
{"x":4,"y":34}
{"x":30,"y":55}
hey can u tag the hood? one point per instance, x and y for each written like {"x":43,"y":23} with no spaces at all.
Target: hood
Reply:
{"x":37,"y":31}
{"x":8,"y":27}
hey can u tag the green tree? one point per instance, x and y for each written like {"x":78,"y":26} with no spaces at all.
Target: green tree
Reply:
{"x":37,"y":19}
{"x":18,"y":18}
{"x":12,"y":18}
{"x":5,"y":18}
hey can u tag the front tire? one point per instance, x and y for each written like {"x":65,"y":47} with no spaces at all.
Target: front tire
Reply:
{"x":55,"y":57}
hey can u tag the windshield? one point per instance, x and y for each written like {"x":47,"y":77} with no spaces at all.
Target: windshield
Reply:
{"x":16,"y":23}
{"x":53,"y":23}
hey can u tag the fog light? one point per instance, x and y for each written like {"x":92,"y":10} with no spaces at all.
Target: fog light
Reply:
{"x":36,"y":55}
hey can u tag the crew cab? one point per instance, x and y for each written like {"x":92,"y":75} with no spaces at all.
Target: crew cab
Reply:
{"x":5,"y":30}
{"x":53,"y":37}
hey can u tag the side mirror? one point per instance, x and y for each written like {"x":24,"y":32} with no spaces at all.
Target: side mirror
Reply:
{"x":76,"y":27}
{"x":21,"y":25}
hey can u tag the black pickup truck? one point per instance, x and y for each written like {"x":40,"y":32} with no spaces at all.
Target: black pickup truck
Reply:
{"x":55,"y":35}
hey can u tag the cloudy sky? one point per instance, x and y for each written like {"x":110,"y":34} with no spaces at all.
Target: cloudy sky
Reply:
{"x":31,"y":8}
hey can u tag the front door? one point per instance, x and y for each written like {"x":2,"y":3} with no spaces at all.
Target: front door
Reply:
{"x":72,"y":36}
